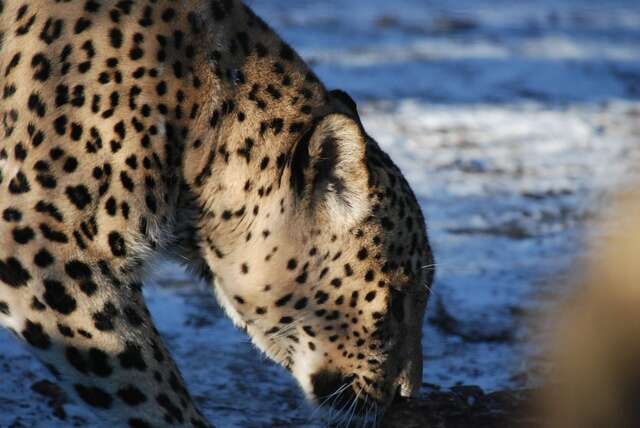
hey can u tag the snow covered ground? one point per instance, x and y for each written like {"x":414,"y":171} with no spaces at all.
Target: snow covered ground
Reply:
{"x":513,"y":121}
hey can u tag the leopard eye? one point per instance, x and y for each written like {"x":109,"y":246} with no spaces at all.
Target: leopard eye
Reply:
{"x":397,"y":305}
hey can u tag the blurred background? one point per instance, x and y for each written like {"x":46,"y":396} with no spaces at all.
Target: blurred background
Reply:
{"x":514,"y":122}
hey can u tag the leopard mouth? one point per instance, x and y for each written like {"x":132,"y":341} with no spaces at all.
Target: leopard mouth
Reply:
{"x":343,"y":402}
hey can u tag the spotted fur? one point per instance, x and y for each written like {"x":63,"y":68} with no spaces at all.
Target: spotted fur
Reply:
{"x":133,"y":127}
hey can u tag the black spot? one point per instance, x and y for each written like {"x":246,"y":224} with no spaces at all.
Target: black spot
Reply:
{"x":35,"y":335}
{"x":111,"y":206}
{"x":369,"y":276}
{"x":321,"y":297}
{"x":286,"y":320}
{"x":136,"y":53}
{"x":127,"y":182}
{"x":386,"y":223}
{"x":20,"y":152}
{"x":120,"y":129}
{"x":103,"y":320}
{"x":13,"y":273}
{"x":78,"y":195}
{"x":115,"y":38}
{"x":51,"y":30}
{"x":60,"y":124}
{"x":117,"y":244}
{"x":88,"y":287}
{"x":15,"y":60}
{"x":157,"y":352}
{"x":284,"y":300}
{"x":73,"y":355}
{"x":146,"y":20}
{"x":85,"y":66}
{"x":66,"y":331}
{"x":132,"y":316}
{"x":264,"y":163}
{"x":43,"y":258}
{"x":94,"y":396}
{"x":23,"y":235}
{"x":99,"y":362}
{"x":77,"y":270}
{"x":4,"y":308}
{"x":161,"y":88}
{"x":37,"y":139}
{"x":81,"y":25}
{"x":11,"y":215}
{"x":36,"y":104}
{"x":168,"y":14}
{"x":42,"y":67}
{"x":84,"y":333}
{"x":24,"y":29}
{"x":131,"y":395}
{"x":78,"y":96}
{"x":37,"y":305}
{"x":53,"y":235}
{"x":301,"y":304}
{"x":131,"y":357}
{"x":62,"y":95}
{"x":348,"y":270}
{"x":56,"y":297}
{"x":171,"y":408}
{"x":70,"y":165}
{"x":76,"y":131}
{"x":302,"y":278}
{"x":19,"y":184}
{"x":292,"y":264}
{"x":92,"y":6}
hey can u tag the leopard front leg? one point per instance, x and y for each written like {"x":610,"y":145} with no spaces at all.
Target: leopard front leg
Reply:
{"x":90,"y":326}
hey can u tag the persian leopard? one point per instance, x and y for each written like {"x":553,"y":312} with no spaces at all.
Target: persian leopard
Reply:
{"x":134,"y":127}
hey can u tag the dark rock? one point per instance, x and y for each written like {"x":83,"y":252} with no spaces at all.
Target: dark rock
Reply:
{"x":463,"y":407}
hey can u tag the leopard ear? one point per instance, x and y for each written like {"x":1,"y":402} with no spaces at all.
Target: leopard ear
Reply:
{"x":328,"y":170}
{"x":345,"y":101}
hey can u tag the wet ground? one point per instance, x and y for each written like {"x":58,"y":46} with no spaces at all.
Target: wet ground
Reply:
{"x":513,"y":121}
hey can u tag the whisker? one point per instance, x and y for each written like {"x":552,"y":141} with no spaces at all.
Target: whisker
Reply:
{"x":376,"y":412}
{"x":287,"y":328}
{"x":327,"y":398}
{"x":446,"y":267}
{"x":354,"y":407}
{"x":340,"y":412}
